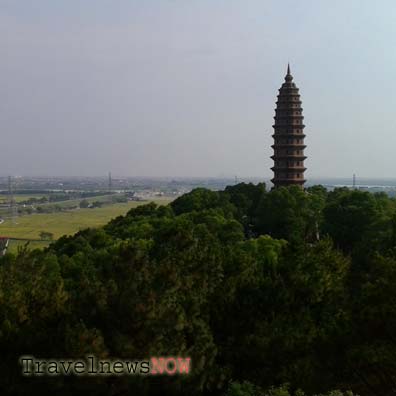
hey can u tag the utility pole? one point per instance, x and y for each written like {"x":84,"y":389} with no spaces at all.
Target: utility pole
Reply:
{"x":110,"y":183}
{"x":12,"y":207}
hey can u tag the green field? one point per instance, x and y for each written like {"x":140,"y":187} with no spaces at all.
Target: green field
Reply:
{"x":75,"y":202}
{"x":65,"y":203}
{"x":65,"y":223}
{"x":20,"y":197}
{"x":13,"y":245}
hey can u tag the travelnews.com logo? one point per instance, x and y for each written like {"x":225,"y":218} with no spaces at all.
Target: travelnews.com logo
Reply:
{"x":171,"y":365}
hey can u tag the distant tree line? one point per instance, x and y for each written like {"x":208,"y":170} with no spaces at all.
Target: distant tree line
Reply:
{"x":43,"y":204}
{"x":57,"y":196}
{"x":277,"y":293}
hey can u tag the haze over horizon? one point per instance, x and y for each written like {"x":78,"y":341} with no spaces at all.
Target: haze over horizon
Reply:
{"x":188,"y":88}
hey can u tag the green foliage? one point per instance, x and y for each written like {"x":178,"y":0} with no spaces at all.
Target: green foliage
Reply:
{"x":249,"y":389}
{"x":200,"y":199}
{"x":245,"y":389}
{"x":349,"y":216}
{"x":289,"y":213}
{"x":246,"y":197}
{"x":84,"y":204}
{"x":258,"y":288}
{"x":97,"y":204}
{"x":46,"y":235}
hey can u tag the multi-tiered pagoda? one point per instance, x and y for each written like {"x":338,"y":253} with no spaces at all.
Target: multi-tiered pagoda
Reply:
{"x":288,"y":136}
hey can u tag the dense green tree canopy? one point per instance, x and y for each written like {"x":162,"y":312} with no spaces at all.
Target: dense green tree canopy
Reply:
{"x":260,"y":288}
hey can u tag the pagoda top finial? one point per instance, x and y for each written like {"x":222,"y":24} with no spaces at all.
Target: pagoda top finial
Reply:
{"x":288,"y":77}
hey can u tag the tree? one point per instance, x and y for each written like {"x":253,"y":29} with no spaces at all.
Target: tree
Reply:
{"x":97,"y":204}
{"x":200,"y":199}
{"x":289,"y":213}
{"x":237,"y":280}
{"x":46,"y":235}
{"x":246,"y":197}
{"x":84,"y":204}
{"x":356,"y":218}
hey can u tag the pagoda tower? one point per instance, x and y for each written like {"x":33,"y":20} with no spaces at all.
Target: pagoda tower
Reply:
{"x":288,"y":136}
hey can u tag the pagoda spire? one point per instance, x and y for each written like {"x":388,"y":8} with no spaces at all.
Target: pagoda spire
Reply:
{"x":288,"y":76}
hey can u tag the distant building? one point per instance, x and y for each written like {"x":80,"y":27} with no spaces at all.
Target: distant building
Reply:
{"x":288,"y":136}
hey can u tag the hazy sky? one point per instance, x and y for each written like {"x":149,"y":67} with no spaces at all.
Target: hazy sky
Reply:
{"x":188,"y":87}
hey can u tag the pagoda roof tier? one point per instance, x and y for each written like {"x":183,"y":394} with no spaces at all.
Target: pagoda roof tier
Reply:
{"x":288,"y":117}
{"x":288,"y":134}
{"x":290,"y":98}
{"x":295,"y":104}
{"x":288,"y":156}
{"x":287,"y":93}
{"x":290,"y":110}
{"x":281,"y":103}
{"x":288,"y":107}
{"x":290,"y":169}
{"x":288,"y":113}
{"x":297,"y":146}
{"x":280,"y":128}
{"x":288,"y":87}
{"x":288,"y":124}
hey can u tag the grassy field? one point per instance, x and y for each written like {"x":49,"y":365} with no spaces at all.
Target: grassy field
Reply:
{"x":76,"y":202}
{"x":65,"y":203}
{"x":14,"y":245}
{"x":64,"y":223}
{"x":21,"y":197}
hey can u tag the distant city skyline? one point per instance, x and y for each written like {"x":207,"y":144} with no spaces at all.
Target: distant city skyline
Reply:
{"x":177,"y":88}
